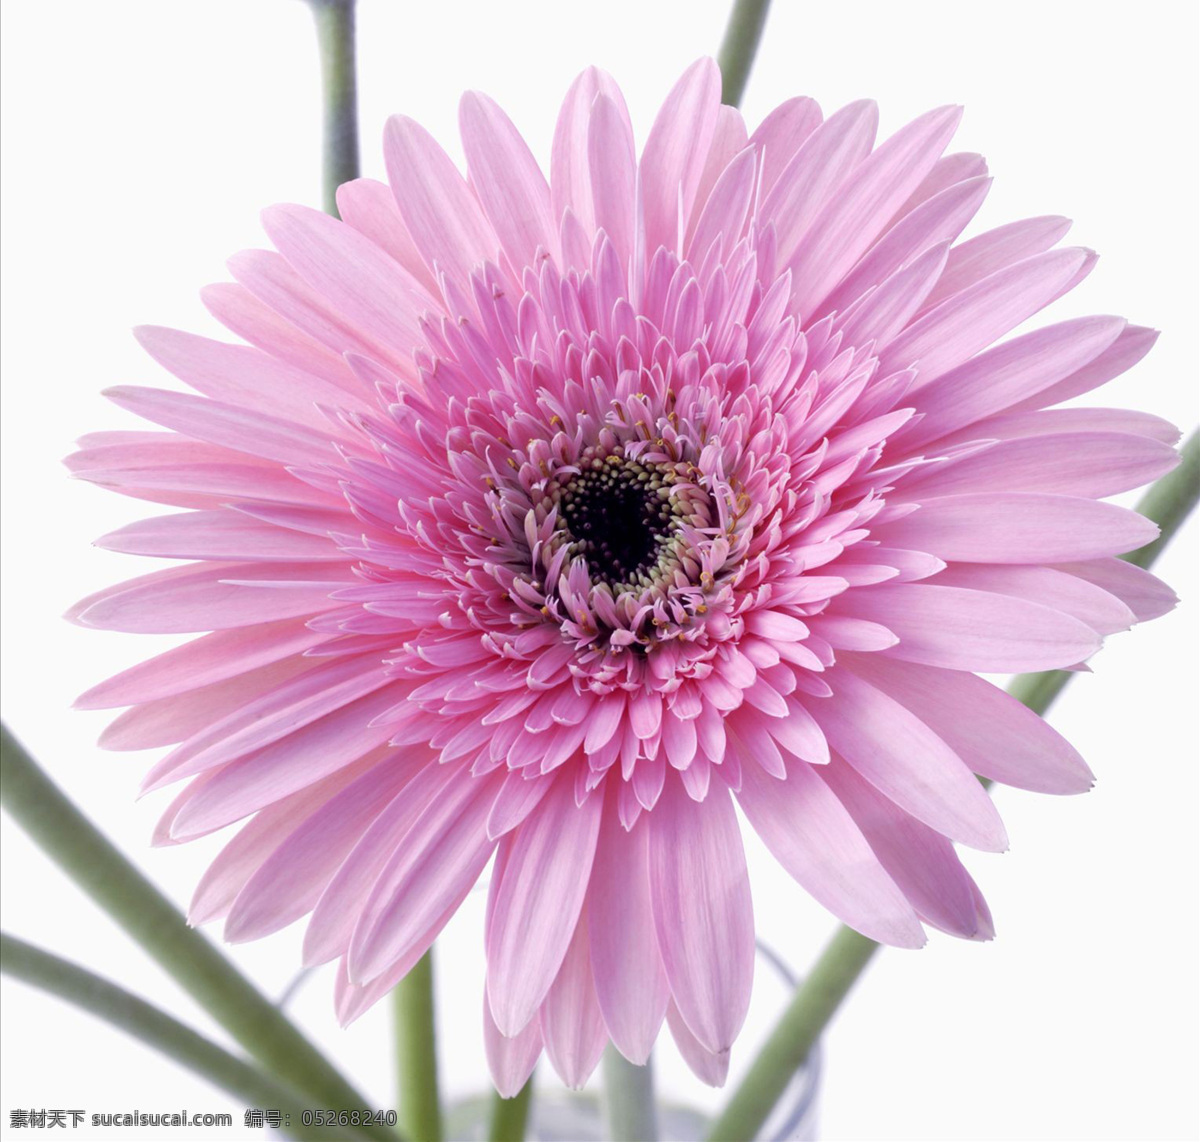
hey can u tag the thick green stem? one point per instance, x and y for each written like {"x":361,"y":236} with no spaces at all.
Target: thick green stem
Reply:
{"x":416,"y":1049}
{"x":1168,"y":503}
{"x":813,"y":1005}
{"x":82,"y":852}
{"x":157,"y":1029}
{"x":630,"y":1114}
{"x":739,"y":47}
{"x":339,"y":95}
{"x":510,"y":1116}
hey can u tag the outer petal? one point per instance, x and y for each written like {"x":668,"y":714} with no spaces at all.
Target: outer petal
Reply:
{"x":570,"y":183}
{"x":962,"y":629}
{"x":626,"y":965}
{"x":675,"y":151}
{"x":1018,"y":748}
{"x":711,"y":1067}
{"x":290,"y":881}
{"x":921,"y":862}
{"x":537,"y":900}
{"x":428,"y":876}
{"x":813,"y":836}
{"x":1020,"y":527}
{"x":510,"y":1061}
{"x":572,"y":1027}
{"x":854,"y":218}
{"x":971,"y":320}
{"x":438,"y":208}
{"x":907,"y":762}
{"x":702,"y":911}
{"x":507,"y":179}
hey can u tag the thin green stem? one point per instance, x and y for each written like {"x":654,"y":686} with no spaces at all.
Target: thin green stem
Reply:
{"x":510,"y":1116}
{"x":86,"y":855}
{"x":813,"y":1005}
{"x":630,"y":1114}
{"x":157,"y":1029}
{"x":339,"y":95}
{"x":419,"y":1106}
{"x":739,"y":47}
{"x":1167,"y":503}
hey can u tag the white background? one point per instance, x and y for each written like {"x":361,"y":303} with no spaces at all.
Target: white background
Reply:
{"x":140,"y":140}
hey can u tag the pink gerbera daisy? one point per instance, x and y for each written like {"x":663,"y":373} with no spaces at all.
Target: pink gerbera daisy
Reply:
{"x":543,"y":522}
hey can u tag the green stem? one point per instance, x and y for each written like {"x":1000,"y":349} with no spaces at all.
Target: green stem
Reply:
{"x":629,"y":1108}
{"x":416,"y":1049}
{"x":82,"y":852}
{"x":1167,"y":503}
{"x":739,"y":47}
{"x":339,"y":96}
{"x":510,"y":1116}
{"x":157,"y":1029}
{"x":811,"y":1008}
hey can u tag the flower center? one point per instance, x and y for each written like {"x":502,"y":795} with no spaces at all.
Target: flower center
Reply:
{"x":625,"y":516}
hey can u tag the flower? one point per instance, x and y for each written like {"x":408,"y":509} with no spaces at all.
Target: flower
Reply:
{"x":545,"y":521}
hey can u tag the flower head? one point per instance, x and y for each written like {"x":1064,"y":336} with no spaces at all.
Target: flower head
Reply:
{"x":545,"y":521}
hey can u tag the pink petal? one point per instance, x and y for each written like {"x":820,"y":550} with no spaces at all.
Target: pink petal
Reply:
{"x":810,"y":833}
{"x":908,"y":763}
{"x":185,"y":600}
{"x":1007,"y":374}
{"x":230,"y":426}
{"x":511,"y":187}
{"x":537,"y":902}
{"x":966,"y":322}
{"x":369,"y":207}
{"x":445,"y":221}
{"x":780,"y":135}
{"x":337,"y":910}
{"x":819,"y":167}
{"x":243,"y":376}
{"x":1095,"y":607}
{"x":1020,"y":527}
{"x":702,"y":913}
{"x":241,"y":858}
{"x":572,"y":1028}
{"x":291,"y":763}
{"x":570,"y":170}
{"x":200,"y":662}
{"x":166,"y":721}
{"x":427,"y":877}
{"x":939,"y":219}
{"x":1019,"y":748}
{"x":1145,"y":595}
{"x":1126,"y":351}
{"x":975,"y":259}
{"x":216,"y":535}
{"x":725,"y":209}
{"x":356,"y":276}
{"x":922,"y":863}
{"x":709,"y":1067}
{"x":961,"y":629}
{"x":510,"y":1061}
{"x":852,"y":221}
{"x":290,"y":881}
{"x":630,"y":983}
{"x":613,"y":173}
{"x":1087,"y":464}
{"x":675,"y":151}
